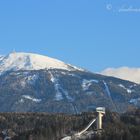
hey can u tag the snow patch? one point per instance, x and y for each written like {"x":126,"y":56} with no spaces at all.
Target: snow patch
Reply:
{"x":23,"y":83}
{"x":87,"y":83}
{"x":58,"y":95}
{"x":66,"y":138}
{"x":32,"y":78}
{"x":1,"y":57}
{"x":21,"y":100}
{"x":127,"y":89}
{"x":66,"y":94}
{"x":59,"y":90}
{"x":134,"y":101}
{"x":107,"y":89}
{"x":76,"y":68}
{"x":31,"y":98}
{"x":70,"y":74}
{"x":134,"y":85}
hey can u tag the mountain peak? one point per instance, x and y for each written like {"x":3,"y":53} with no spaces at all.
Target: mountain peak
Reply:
{"x":30,"y":61}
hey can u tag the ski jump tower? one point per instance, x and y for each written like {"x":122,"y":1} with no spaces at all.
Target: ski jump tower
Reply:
{"x":101,"y":112}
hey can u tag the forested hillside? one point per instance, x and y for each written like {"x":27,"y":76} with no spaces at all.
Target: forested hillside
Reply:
{"x":43,"y":126}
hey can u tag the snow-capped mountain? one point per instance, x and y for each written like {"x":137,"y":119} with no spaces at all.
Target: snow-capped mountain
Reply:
{"x":31,"y":82}
{"x":28,"y":61}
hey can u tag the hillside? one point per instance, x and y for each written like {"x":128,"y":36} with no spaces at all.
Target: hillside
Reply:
{"x":43,"y":126}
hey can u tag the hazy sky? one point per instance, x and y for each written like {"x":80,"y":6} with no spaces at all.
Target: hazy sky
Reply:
{"x":94,"y":34}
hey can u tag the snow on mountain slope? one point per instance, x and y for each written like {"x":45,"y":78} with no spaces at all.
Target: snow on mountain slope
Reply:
{"x":1,"y":57}
{"x":107,"y":89}
{"x":127,"y":89}
{"x":59,"y":90}
{"x":28,"y":61}
{"x":87,"y":83}
{"x":135,"y":101}
{"x":31,"y":98}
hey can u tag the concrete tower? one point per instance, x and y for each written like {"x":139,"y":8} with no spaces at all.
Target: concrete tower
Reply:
{"x":101,"y":112}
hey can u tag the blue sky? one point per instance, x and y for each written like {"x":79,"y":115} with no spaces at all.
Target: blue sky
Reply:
{"x":93,"y":34}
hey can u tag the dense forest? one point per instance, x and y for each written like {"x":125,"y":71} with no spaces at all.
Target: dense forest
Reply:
{"x":43,"y":126}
